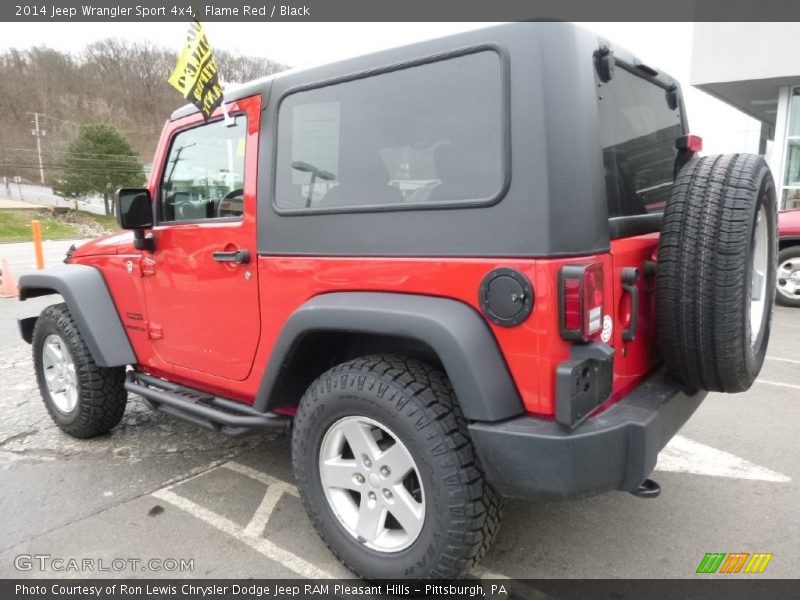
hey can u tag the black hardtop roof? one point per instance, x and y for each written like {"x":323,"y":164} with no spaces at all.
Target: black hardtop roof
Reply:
{"x":382,"y":58}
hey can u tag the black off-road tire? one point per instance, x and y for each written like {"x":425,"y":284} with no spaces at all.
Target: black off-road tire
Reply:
{"x":101,"y":394}
{"x":791,"y":253}
{"x":705,"y":272}
{"x":415,"y":401}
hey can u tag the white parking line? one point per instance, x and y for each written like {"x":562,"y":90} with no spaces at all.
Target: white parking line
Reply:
{"x":779,"y":384}
{"x":683,"y":455}
{"x":252,"y":533}
{"x":482,"y":573}
{"x":258,"y":523}
{"x":272,"y":551}
{"x":786,"y":360}
{"x":261,"y":476}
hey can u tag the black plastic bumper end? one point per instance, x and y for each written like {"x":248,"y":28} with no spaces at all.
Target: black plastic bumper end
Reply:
{"x":26,"y":328}
{"x":615,"y":450}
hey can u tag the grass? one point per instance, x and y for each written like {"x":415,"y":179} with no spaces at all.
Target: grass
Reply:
{"x":15,"y":224}
{"x":107,"y":221}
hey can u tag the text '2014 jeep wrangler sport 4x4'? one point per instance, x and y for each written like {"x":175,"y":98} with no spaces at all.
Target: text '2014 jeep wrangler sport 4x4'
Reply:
{"x":486,"y":265}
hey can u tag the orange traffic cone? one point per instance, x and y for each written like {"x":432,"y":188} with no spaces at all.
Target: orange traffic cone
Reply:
{"x":8,"y":285}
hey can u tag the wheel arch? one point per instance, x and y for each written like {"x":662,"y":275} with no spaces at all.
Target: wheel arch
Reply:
{"x":788,"y":242}
{"x":86,"y":294}
{"x":332,"y":328}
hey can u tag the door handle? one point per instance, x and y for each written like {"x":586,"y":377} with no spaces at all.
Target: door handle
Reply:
{"x":240,"y":257}
{"x":630,"y":275}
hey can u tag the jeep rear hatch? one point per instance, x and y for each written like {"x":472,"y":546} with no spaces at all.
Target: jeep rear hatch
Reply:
{"x":640,"y":123}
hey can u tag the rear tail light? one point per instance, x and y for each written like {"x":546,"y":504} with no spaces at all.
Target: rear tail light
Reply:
{"x":581,"y":301}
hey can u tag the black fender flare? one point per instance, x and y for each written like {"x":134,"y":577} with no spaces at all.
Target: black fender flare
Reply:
{"x":86,"y":294}
{"x":454,"y":330}
{"x":789,"y":240}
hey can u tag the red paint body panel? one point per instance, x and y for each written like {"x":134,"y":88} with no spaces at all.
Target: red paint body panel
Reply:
{"x":789,"y":223}
{"x":532,"y":350}
{"x":633,"y":360}
{"x":128,"y":296}
{"x":529,"y":348}
{"x":107,"y":244}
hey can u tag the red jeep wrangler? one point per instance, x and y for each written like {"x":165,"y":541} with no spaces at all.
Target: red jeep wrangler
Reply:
{"x":480,"y":266}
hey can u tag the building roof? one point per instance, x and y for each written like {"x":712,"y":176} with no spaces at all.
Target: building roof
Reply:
{"x":745,"y":64}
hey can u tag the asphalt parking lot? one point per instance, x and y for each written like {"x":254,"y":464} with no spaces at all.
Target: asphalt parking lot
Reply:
{"x":155,"y":488}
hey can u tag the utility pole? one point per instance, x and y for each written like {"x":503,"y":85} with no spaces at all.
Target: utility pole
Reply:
{"x":38,"y":133}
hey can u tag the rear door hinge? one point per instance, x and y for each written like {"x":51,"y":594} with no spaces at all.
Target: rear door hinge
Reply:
{"x":148,"y":267}
{"x":154,"y":331}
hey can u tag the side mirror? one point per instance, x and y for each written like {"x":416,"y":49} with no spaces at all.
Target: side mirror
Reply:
{"x":134,"y":208}
{"x":135,"y":211}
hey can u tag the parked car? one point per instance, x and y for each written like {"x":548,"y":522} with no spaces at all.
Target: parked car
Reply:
{"x":485,"y":265}
{"x":788,"y":278}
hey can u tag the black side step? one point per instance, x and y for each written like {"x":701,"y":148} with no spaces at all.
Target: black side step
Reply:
{"x":214,"y":413}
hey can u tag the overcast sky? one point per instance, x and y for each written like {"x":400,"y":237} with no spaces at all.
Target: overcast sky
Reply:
{"x":666,"y":46}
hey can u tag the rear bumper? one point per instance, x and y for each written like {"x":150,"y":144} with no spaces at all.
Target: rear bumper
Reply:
{"x":616,"y":450}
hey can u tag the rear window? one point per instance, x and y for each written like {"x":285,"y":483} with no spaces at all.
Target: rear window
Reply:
{"x":638,"y":130}
{"x":422,"y":136}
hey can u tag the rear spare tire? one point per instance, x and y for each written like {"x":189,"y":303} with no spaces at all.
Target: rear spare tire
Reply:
{"x":715,"y":282}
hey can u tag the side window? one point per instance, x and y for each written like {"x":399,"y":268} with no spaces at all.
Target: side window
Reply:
{"x":638,"y":130}
{"x":204,"y":174}
{"x":422,"y":135}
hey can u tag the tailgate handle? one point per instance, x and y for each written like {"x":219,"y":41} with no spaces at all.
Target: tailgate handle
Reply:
{"x":630,"y":275}
{"x":237,"y":256}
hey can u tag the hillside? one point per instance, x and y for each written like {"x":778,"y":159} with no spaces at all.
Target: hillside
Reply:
{"x":115,"y":82}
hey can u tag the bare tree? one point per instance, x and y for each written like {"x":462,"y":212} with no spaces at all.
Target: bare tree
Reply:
{"x":112,"y":82}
